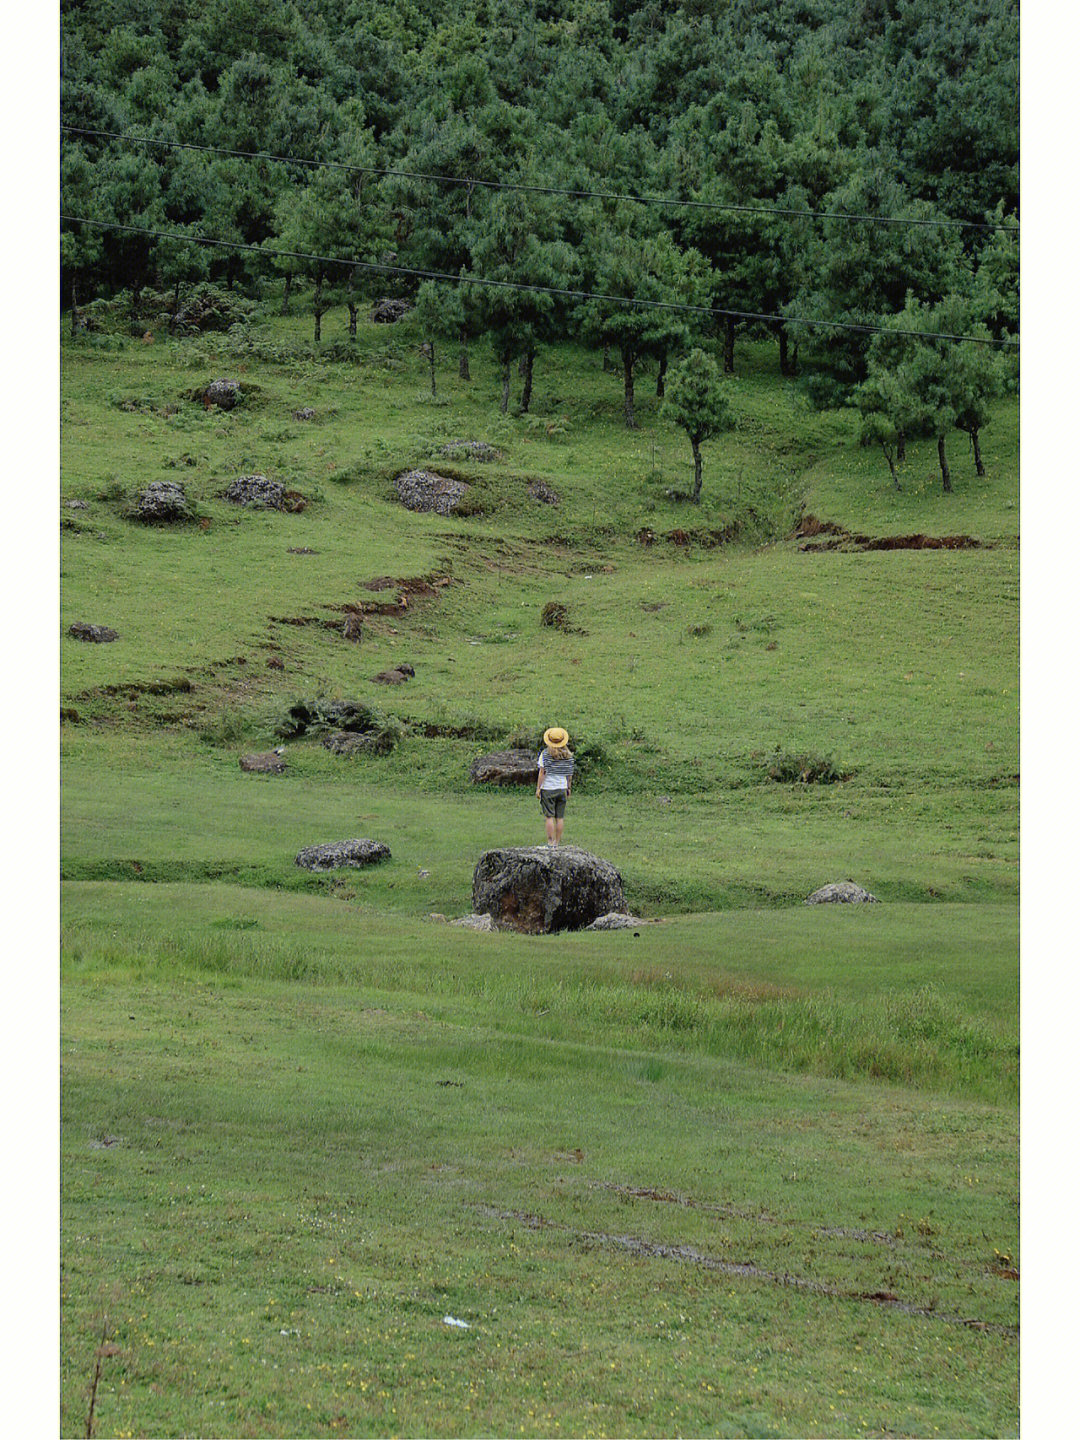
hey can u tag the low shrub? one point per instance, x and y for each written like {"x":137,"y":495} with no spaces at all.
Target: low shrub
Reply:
{"x":791,"y":767}
{"x":319,"y":715}
{"x":226,"y":726}
{"x":209,"y":307}
{"x":555,"y":615}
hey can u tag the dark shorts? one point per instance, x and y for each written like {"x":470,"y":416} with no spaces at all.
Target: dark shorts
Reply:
{"x":553,"y":803}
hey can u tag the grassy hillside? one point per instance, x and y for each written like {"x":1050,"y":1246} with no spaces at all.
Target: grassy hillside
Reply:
{"x":767,"y":1153}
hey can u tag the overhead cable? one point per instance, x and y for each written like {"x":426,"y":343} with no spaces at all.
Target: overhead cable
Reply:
{"x":441,"y":277}
{"x":472,"y":182}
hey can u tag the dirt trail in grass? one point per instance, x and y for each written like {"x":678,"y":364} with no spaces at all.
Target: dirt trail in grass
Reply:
{"x":745,"y":1270}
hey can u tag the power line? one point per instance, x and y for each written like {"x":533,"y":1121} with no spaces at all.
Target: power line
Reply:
{"x":437,"y":275}
{"x":473,"y":183}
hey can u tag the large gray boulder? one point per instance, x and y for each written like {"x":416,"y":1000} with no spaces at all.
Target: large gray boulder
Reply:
{"x":354,"y":853}
{"x":539,"y":890}
{"x":428,"y":493}
{"x":256,"y":491}
{"x":505,"y":767}
{"x":843,"y":892}
{"x":163,"y":502}
{"x":225,"y":394}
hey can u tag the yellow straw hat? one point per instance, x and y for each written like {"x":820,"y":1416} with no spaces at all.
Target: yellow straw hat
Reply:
{"x":555,"y":738}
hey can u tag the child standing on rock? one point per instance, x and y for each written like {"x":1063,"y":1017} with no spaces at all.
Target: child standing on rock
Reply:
{"x":555,"y":770}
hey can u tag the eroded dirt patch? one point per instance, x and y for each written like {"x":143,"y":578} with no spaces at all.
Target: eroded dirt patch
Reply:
{"x":837,"y":538}
{"x":406,"y":592}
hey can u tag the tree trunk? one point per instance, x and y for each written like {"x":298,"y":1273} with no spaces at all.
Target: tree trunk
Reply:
{"x":785,"y":357}
{"x":892,"y":467}
{"x":729,"y":346}
{"x":527,"y":370}
{"x":695,"y":494}
{"x":628,"y":358}
{"x":661,"y":373}
{"x":980,"y":469}
{"x":74,"y":310}
{"x":463,"y":358}
{"x":901,"y":447}
{"x":504,"y":404}
{"x":175,"y":304}
{"x":318,"y":305}
{"x":946,"y":478}
{"x":606,"y":366}
{"x":431,"y":361}
{"x":136,"y":296}
{"x":286,"y":295}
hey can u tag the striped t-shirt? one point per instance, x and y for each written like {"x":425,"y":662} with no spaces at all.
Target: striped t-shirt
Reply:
{"x":556,"y":772}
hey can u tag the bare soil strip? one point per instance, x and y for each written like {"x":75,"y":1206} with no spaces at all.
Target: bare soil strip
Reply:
{"x":744,"y":1270}
{"x":730,"y":1212}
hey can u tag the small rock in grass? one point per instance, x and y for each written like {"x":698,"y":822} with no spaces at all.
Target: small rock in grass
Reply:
{"x":615,"y":920}
{"x":843,"y":892}
{"x":470,"y":450}
{"x":268,"y":762}
{"x":397,"y":676}
{"x":476,"y":922}
{"x":543,"y":492}
{"x":95,"y":634}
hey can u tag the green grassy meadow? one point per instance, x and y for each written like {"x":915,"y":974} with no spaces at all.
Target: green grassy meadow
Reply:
{"x":749,"y":1169}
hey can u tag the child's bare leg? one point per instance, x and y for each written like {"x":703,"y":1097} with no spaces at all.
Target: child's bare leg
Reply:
{"x":549,"y":826}
{"x":559,"y":829}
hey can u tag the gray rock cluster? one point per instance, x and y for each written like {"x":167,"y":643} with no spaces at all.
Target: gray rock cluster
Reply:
{"x":543,"y":492}
{"x":256,"y":491}
{"x":843,"y":892}
{"x":163,"y":502}
{"x":340,"y":853}
{"x":470,"y":450}
{"x":95,"y":634}
{"x":426,"y":492}
{"x":505,"y":767}
{"x":307,"y":413}
{"x":539,"y":890}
